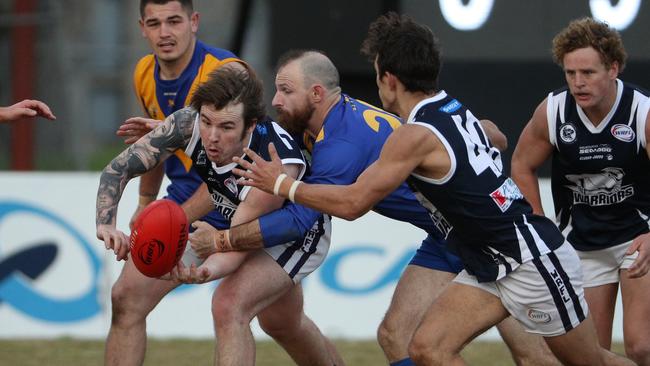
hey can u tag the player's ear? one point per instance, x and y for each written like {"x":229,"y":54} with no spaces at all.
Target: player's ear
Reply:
{"x":613,"y":70}
{"x":194,"y":22}
{"x":141,"y":22}
{"x":250,"y":128}
{"x":317,"y":93}
{"x":391,"y":80}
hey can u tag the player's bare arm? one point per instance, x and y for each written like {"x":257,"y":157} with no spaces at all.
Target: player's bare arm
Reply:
{"x":496,"y":137}
{"x":533,"y":148}
{"x":140,"y":157}
{"x":405,"y":150}
{"x":199,"y":204}
{"x":207,"y":238}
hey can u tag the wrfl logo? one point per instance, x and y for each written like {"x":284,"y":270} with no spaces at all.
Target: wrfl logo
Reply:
{"x":20,"y":271}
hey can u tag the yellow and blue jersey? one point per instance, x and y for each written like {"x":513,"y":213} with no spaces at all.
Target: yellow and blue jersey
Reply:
{"x":160,"y":98}
{"x":350,"y":140}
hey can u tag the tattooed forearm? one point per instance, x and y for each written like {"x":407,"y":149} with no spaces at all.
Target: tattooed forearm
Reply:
{"x":176,"y":132}
{"x":125,"y":166}
{"x":139,"y":158}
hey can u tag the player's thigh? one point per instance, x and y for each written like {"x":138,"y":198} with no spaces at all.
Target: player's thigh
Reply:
{"x":602,"y":303}
{"x":135,"y":291}
{"x":636,"y":306}
{"x":258,"y":282}
{"x":583,"y":338}
{"x":416,"y":290}
{"x":445,"y":324}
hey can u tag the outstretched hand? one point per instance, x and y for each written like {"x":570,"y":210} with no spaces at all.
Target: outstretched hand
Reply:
{"x":135,"y":127}
{"x":26,"y":108}
{"x":260,"y":174}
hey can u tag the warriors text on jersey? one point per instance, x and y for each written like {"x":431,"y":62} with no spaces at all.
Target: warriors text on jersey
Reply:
{"x":160,"y":98}
{"x":600,"y":175}
{"x":494,"y":229}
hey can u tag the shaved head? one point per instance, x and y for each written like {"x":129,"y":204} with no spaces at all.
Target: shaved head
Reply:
{"x":315,"y":66}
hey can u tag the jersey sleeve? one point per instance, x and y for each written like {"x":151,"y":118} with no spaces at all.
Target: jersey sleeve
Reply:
{"x":287,"y":148}
{"x":333,"y":163}
{"x":287,"y":224}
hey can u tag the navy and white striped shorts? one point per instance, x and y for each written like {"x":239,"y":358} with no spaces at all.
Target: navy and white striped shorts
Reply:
{"x":545,"y":294}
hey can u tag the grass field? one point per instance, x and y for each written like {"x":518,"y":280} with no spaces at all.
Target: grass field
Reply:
{"x":181,"y":352}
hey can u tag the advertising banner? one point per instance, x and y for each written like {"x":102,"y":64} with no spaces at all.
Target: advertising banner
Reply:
{"x":55,"y":276}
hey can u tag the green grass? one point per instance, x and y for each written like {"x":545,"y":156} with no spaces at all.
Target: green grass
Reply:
{"x":182,"y":352}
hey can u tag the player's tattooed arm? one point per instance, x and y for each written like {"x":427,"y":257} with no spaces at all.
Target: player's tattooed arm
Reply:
{"x":148,"y":152}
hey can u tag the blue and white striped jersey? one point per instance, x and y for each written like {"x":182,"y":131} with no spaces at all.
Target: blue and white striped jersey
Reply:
{"x":600,"y":175}
{"x":494,"y":229}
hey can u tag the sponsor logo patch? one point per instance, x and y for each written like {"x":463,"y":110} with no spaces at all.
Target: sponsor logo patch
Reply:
{"x":596,"y":152}
{"x":600,"y":189}
{"x":507,"y":193}
{"x":568,"y":133}
{"x":538,"y":316}
{"x":451,"y":107}
{"x":623,"y":132}
{"x":231,"y":184}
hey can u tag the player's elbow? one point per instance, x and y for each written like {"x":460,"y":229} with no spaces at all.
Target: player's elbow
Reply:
{"x":500,"y":142}
{"x":520,"y":169}
{"x":353,"y":210}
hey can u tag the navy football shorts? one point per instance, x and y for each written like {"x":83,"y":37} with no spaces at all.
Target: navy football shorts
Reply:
{"x":433,"y":254}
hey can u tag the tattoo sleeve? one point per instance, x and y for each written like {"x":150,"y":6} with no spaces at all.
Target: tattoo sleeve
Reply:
{"x":151,"y":150}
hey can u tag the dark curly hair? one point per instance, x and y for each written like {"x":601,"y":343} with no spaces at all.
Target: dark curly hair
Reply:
{"x":406,"y":49}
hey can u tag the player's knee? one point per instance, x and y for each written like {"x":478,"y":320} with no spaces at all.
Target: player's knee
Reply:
{"x":390,"y":335}
{"x":424,"y":353}
{"x":638,"y":350}
{"x":423,"y":350}
{"x":227,"y":310}
{"x":124,"y":302}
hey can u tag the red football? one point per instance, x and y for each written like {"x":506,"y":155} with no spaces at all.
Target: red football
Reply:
{"x":158,"y":238}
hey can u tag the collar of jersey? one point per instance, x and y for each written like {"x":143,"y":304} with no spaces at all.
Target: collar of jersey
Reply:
{"x":440,"y":96}
{"x":588,"y":123}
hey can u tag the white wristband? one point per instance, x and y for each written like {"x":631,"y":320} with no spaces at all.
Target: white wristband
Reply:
{"x":278,"y":181}
{"x":292,"y":190}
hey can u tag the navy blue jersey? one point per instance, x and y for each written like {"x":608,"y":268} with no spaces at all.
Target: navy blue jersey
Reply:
{"x":494,"y":229}
{"x":221,"y":182}
{"x":600,"y":175}
{"x":350,"y":140}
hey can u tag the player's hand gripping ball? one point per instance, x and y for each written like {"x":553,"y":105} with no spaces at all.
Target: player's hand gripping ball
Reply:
{"x":158,"y":238}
